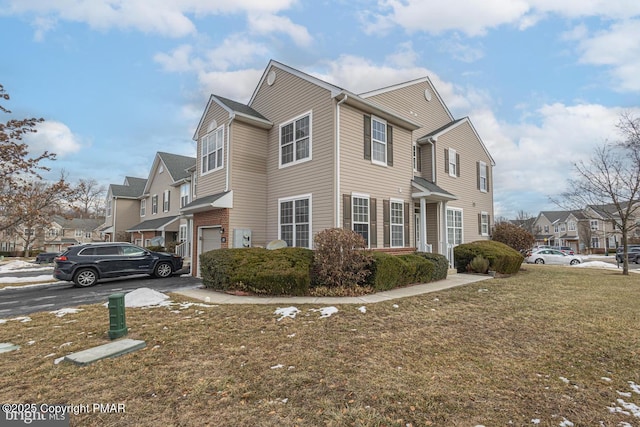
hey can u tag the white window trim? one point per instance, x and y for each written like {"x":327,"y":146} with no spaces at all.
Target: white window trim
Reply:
{"x":391,"y":223}
{"x":483,"y":169}
{"x":593,"y":224}
{"x":154,"y":197}
{"x":373,"y":141}
{"x":293,"y":199}
{"x":288,"y":122}
{"x":353,"y":221}
{"x":166,"y":201}
{"x":484,"y":220}
{"x":461,"y":225}
{"x":185,"y":194}
{"x":572,"y":226}
{"x":453,"y":165}
{"x":202,"y":155}
{"x":143,"y":207}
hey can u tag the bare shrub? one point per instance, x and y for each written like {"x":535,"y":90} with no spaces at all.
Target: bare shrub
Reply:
{"x":340,"y":258}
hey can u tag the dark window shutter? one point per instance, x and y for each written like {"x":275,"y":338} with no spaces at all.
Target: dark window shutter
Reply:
{"x":488,"y":180}
{"x":346,"y":211}
{"x":389,"y":145}
{"x":419,"y":158}
{"x":489,"y":224}
{"x":480,"y":223}
{"x":367,"y":137}
{"x":386,"y":220}
{"x":373,"y":223}
{"x":446,"y":160}
{"x":478,"y":174}
{"x":406,"y":224}
{"x":457,"y":164}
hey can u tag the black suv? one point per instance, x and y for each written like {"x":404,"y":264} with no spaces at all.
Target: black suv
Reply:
{"x":633,"y":252}
{"x":88,"y":263}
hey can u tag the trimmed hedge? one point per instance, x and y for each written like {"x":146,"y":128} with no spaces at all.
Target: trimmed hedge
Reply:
{"x":502,"y":258}
{"x":289,"y":271}
{"x":440,"y":262}
{"x":283,"y":271}
{"x":392,"y":271}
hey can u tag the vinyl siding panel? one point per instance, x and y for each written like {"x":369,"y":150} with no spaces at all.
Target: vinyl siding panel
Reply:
{"x":159,"y":183}
{"x":249,"y":181}
{"x":362,"y":176}
{"x":465,"y":187}
{"x":212,"y":182}
{"x":288,"y":98}
{"x":127,"y":215}
{"x":409,"y":102}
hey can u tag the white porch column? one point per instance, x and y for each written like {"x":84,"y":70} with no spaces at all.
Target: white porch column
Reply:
{"x":423,"y":225}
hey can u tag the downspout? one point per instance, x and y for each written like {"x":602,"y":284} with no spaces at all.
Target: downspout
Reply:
{"x":227,"y":174}
{"x":338,"y":159}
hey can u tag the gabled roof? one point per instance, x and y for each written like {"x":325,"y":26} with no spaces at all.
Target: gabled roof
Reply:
{"x":87,"y":224}
{"x":156,"y":224}
{"x":434,"y":134}
{"x":409,"y":83}
{"x":429,"y":189}
{"x":235,"y":110}
{"x":339,"y":94}
{"x":177,"y":165}
{"x":131,"y":189}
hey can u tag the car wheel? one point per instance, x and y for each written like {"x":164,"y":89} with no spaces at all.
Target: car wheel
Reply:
{"x":163,"y":269}
{"x":539,"y":261}
{"x":574,"y":262}
{"x":85,"y":277}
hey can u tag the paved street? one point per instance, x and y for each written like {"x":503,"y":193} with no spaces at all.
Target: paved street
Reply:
{"x":48,"y":297}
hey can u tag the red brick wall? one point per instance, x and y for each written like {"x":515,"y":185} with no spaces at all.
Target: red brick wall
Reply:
{"x":204,"y":219}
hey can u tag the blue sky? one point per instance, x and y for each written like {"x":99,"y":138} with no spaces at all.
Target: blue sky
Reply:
{"x":543,"y":81}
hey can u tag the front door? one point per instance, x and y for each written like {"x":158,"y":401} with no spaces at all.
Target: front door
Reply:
{"x":209,"y":240}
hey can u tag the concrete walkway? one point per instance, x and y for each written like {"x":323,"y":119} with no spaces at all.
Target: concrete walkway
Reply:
{"x":215,"y":297}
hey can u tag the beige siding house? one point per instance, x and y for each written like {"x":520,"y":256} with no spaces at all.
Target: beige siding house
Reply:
{"x":304,"y":155}
{"x":167,"y":189}
{"x":122,"y":208}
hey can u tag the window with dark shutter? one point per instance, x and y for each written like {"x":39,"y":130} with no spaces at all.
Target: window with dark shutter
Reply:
{"x":373,"y":223}
{"x":406,"y":224}
{"x":367,"y":137}
{"x":389,"y":145}
{"x":386,"y":223}
{"x":457,"y":164}
{"x":346,"y":211}
{"x":446,"y":160}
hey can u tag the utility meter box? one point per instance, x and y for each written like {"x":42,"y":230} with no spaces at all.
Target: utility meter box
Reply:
{"x":117,"y":321}
{"x":242,"y":238}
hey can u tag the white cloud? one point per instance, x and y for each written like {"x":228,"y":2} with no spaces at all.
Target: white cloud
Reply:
{"x":267,"y":23}
{"x":237,"y":50}
{"x":618,"y":48}
{"x":168,"y":18}
{"x":237,"y":85}
{"x":54,"y":137}
{"x":475,"y":18}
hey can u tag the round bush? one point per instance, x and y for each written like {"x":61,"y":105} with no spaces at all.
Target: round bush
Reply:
{"x":502,"y":258}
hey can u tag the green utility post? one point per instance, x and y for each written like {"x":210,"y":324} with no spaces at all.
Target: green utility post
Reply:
{"x":117,"y":321}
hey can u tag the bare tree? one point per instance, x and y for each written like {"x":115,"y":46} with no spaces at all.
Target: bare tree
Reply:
{"x":585,"y":233}
{"x":20,"y":173}
{"x":610,"y":181}
{"x":89,"y":197}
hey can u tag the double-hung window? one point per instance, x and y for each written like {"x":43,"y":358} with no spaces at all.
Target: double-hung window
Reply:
{"x":184,"y":194}
{"x":295,"y":140}
{"x":166,"y":201}
{"x":484,"y":223}
{"x":454,"y":226}
{"x":154,"y":204}
{"x":378,"y":141}
{"x":452,"y":164}
{"x":360,"y":215}
{"x":397,"y":224}
{"x":143,"y":207}
{"x":482,"y":176}
{"x":417,"y":158}
{"x":295,"y":221}
{"x":594,"y":226}
{"x":212,"y":150}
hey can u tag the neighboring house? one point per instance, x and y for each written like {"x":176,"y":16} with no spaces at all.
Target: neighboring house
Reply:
{"x":560,"y":228}
{"x":304,"y":155}
{"x":59,"y":234}
{"x":166,"y":191}
{"x":602,"y":231}
{"x":122,"y":208}
{"x":64,"y":232}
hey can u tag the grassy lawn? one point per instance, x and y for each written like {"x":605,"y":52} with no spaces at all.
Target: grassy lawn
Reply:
{"x":544,"y":347}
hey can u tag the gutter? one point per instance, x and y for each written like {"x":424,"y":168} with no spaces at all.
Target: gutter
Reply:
{"x":338,"y":159}
{"x":227,"y":174}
